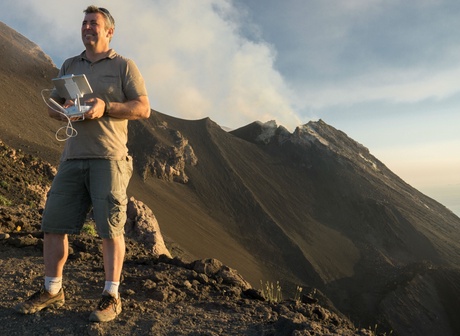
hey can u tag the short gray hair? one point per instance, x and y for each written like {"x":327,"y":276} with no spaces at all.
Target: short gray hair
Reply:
{"x":109,"y":20}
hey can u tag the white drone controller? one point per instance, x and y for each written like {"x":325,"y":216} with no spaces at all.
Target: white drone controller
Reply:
{"x":72,"y":87}
{"x":71,"y":111}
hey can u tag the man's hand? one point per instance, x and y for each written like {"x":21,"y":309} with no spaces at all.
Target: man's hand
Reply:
{"x":58,"y":115}
{"x":97,"y":111}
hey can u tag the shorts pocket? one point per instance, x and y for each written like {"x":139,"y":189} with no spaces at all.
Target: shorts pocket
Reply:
{"x":118,"y":205}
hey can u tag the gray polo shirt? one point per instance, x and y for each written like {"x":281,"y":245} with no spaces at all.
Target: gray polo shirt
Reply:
{"x":116,"y":79}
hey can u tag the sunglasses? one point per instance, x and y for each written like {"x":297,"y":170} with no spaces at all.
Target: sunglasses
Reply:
{"x":107,"y":14}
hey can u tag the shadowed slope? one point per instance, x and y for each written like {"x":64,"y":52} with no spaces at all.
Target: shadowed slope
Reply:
{"x":25,"y":71}
{"x":400,"y":233}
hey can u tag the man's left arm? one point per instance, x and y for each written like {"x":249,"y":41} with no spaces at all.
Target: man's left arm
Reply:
{"x":138,"y":108}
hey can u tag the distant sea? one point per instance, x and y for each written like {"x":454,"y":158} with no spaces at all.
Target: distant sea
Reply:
{"x":448,"y":195}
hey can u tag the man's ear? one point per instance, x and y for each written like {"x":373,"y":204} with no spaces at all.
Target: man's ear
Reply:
{"x":110,"y":32}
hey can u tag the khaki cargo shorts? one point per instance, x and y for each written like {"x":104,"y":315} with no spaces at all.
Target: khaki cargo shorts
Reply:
{"x":80,"y":184}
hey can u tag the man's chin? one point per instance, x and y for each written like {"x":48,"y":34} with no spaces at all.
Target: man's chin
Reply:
{"x":88,"y":42}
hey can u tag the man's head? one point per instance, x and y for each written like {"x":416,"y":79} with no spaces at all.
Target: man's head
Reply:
{"x":97,"y":28}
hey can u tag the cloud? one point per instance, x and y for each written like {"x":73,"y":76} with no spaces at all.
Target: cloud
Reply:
{"x":396,"y":86}
{"x":195,"y":61}
{"x":350,"y":52}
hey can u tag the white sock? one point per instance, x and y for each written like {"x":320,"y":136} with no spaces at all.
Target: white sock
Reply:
{"x":112,"y":287}
{"x":53,"y":284}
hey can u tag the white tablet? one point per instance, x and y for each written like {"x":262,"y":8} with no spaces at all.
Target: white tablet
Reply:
{"x":72,"y":86}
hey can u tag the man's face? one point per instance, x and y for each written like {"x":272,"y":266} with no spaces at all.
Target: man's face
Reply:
{"x":94,"y":32}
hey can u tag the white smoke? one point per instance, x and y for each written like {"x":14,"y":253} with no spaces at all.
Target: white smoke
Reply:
{"x":195,"y":61}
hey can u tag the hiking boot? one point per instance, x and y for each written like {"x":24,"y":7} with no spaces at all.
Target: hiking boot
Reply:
{"x":41,"y":300}
{"x":107,"y":309}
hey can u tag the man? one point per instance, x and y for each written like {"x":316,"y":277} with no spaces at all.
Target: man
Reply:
{"x":95,"y":166}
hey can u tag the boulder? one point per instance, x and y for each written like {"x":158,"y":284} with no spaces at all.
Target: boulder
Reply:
{"x":142,"y":226}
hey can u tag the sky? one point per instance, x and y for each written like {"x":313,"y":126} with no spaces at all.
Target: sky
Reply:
{"x":385,"y":72}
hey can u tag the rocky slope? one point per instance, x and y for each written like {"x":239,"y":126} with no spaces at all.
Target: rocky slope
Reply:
{"x":161,"y":295}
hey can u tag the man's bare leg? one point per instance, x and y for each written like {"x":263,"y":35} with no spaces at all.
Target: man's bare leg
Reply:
{"x":55,"y":253}
{"x":113,"y":250}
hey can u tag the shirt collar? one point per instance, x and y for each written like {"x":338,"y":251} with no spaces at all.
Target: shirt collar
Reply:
{"x":111,"y":55}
